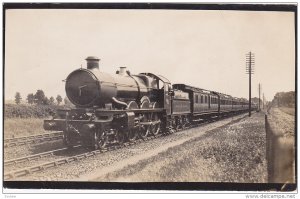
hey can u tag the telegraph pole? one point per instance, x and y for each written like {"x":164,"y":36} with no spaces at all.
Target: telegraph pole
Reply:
{"x":263,"y":101}
{"x":250,"y":71}
{"x":259,"y":89}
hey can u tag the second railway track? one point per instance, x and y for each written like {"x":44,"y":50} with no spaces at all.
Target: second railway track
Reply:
{"x":15,"y":173}
{"x":11,"y":142}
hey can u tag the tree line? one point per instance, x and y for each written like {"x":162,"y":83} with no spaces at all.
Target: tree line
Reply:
{"x":39,"y":98}
{"x":286,"y":99}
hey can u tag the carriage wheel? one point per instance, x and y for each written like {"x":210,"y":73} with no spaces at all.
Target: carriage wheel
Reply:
{"x":184,"y":122}
{"x":178,"y":124}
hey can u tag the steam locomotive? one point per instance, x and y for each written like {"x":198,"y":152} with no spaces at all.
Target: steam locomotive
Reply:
{"x":113,"y":109}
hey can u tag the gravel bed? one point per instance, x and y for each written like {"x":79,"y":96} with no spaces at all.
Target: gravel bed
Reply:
{"x":86,"y":166}
{"x":30,"y":149}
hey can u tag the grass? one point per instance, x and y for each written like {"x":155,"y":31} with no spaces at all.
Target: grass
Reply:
{"x":287,"y":110}
{"x":18,"y":127}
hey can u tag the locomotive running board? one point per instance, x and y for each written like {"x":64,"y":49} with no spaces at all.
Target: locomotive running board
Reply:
{"x":130,"y":110}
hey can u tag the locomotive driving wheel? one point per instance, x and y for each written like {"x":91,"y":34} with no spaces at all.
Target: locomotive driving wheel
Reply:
{"x":132,"y":135}
{"x":155,"y":126}
{"x":144,"y":131}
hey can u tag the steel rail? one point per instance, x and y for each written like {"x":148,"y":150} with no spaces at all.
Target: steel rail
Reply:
{"x":32,"y":139}
{"x":34,"y":157}
{"x":55,"y":163}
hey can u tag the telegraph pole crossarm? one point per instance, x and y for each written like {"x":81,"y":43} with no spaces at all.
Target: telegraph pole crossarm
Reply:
{"x":250,"y":70}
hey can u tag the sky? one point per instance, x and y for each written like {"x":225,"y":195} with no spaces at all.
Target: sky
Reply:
{"x":202,"y":48}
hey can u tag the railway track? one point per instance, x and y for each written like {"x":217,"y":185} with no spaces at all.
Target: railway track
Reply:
{"x":25,"y":159}
{"x":50,"y":164}
{"x":11,"y":142}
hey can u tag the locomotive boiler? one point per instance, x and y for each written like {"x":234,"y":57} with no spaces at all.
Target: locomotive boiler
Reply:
{"x":91,"y":87}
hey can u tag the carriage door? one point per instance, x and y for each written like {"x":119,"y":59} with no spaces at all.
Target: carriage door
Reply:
{"x":167,"y":98}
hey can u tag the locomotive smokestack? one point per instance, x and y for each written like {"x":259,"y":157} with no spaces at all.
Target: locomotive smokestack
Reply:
{"x":92,"y":62}
{"x":122,"y":71}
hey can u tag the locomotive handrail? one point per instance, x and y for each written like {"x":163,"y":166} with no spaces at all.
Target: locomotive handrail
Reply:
{"x":130,"y":110}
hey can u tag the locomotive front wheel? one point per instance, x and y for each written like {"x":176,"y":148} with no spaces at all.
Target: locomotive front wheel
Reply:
{"x":66,"y":140}
{"x":100,"y":140}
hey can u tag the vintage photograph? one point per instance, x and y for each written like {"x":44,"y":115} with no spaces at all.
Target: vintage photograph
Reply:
{"x":150,"y":93}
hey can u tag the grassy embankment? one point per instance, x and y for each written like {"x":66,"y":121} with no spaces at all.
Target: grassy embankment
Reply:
{"x":287,"y":110}
{"x":19,"y":127}
{"x":282,"y":132}
{"x":23,"y":120}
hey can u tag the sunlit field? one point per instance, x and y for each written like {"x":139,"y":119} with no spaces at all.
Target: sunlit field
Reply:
{"x":18,"y":127}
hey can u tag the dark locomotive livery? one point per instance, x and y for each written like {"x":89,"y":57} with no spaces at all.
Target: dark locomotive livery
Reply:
{"x":124,"y":107}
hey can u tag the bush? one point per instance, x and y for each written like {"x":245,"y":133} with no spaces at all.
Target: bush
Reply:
{"x":29,"y":111}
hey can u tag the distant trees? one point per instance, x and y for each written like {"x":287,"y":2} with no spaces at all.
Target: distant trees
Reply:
{"x":67,"y":101}
{"x":58,"y":99}
{"x":18,"y":98}
{"x":286,"y":99}
{"x":39,"y":98}
{"x":30,"y":98}
{"x":51,"y":100}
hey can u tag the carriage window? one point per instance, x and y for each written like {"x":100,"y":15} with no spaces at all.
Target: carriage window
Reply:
{"x":201,"y":99}
{"x":196,"y":98}
{"x":205,"y":99}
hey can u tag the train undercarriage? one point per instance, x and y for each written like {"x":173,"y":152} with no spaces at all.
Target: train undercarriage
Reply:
{"x":99,"y":128}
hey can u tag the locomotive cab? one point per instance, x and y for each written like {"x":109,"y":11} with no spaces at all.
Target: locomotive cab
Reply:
{"x":162,"y":90}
